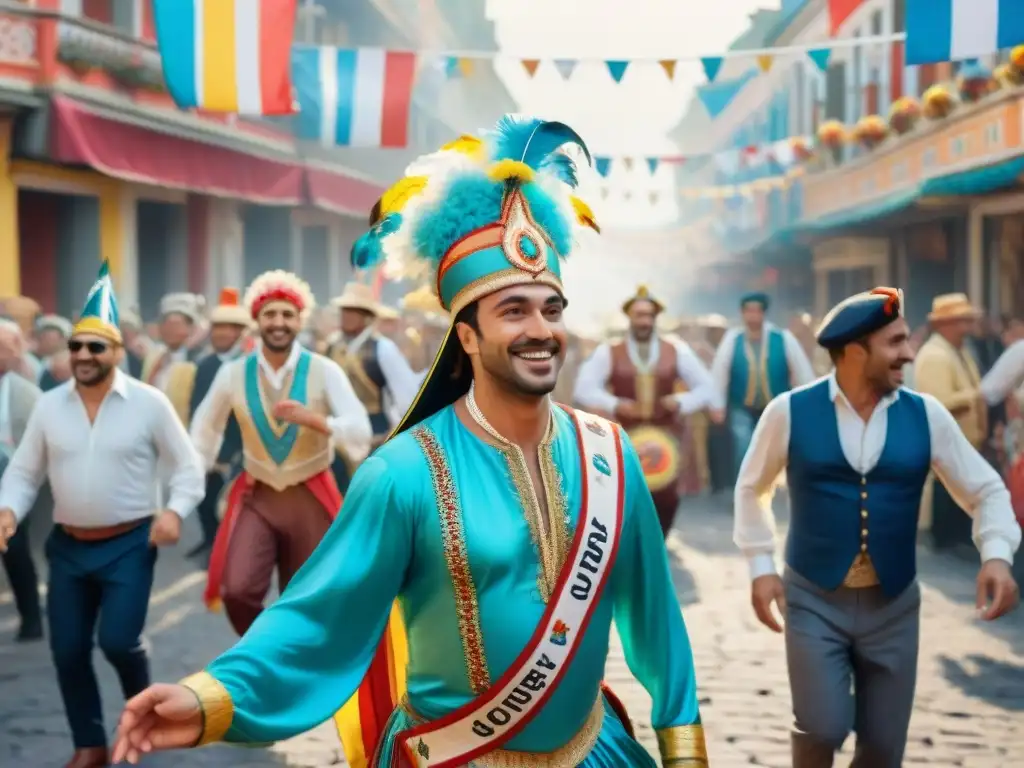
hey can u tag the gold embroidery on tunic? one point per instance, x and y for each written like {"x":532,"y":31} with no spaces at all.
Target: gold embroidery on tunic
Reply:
{"x":453,"y":537}
{"x":570,"y":755}
{"x":550,"y":546}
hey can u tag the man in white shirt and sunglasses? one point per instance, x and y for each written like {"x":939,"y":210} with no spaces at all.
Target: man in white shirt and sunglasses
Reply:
{"x":99,"y":438}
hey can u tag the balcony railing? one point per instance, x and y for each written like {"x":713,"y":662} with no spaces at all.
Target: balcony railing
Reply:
{"x":84,"y":45}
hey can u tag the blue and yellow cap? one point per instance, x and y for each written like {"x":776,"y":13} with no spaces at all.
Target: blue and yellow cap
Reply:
{"x":480,"y":215}
{"x":99,"y":315}
{"x":859,"y":316}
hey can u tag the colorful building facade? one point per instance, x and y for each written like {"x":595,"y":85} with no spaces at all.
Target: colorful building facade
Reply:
{"x":932,"y":204}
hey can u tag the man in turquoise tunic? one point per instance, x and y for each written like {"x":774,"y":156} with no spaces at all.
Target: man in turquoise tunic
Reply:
{"x":753,"y":364}
{"x":510,"y":530}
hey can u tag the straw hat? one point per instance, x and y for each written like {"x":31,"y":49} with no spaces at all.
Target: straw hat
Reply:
{"x":952,"y":306}
{"x":357,"y":296}
{"x":385,"y":312}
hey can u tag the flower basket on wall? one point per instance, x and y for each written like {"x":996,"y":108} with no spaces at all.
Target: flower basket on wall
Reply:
{"x":904,"y":114}
{"x":870,"y":131}
{"x":832,"y":136}
{"x":974,"y":82}
{"x":939,"y":102}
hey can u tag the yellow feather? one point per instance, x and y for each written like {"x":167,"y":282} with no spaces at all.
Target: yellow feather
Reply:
{"x":466,"y":144}
{"x":584,"y":215}
{"x":398,"y":195}
{"x":503,"y":170}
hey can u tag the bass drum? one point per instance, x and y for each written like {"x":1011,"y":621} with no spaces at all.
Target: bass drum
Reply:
{"x":659,"y":455}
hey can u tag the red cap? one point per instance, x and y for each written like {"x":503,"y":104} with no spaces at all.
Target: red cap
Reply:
{"x":228,"y":297}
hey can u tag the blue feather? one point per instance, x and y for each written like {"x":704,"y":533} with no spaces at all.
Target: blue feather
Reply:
{"x":368,"y":250}
{"x":536,"y":142}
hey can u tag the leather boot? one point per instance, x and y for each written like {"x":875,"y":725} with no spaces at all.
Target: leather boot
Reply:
{"x":90,"y":757}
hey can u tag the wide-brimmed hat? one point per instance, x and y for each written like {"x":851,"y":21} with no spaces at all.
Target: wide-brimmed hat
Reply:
{"x":715,"y":321}
{"x":952,"y":306}
{"x":357,"y":296}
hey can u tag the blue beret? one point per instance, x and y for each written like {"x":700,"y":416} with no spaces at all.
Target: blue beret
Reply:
{"x":860,"y":315}
{"x":755,"y":297}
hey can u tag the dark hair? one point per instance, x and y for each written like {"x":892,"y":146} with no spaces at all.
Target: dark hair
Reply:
{"x":470,"y":315}
{"x":836,"y":353}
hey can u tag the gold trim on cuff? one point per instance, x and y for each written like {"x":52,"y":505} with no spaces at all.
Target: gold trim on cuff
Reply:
{"x":681,"y":744}
{"x":215,"y":702}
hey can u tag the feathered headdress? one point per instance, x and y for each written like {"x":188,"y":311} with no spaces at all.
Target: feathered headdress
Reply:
{"x":99,"y":315}
{"x":278,"y":285}
{"x":482,"y":214}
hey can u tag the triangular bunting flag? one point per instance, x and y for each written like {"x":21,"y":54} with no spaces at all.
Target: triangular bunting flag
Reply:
{"x":617,"y":69}
{"x":451,"y":67}
{"x":530,"y":65}
{"x":717,"y":97}
{"x":711,"y":64}
{"x":627,"y":162}
{"x":652,"y":164}
{"x":627,"y":195}
{"x":565,"y":67}
{"x":466,"y":67}
{"x":669,"y":65}
{"x":604,"y":192}
{"x":820,"y":57}
{"x":603,"y":165}
{"x":653,"y":197}
{"x":765,"y":61}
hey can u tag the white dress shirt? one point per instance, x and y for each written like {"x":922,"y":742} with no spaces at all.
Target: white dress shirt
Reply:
{"x":971,"y":480}
{"x":349,"y":422}
{"x":104,"y":473}
{"x":1005,"y":376}
{"x":800,"y":369}
{"x":401,"y":380}
{"x":594,"y":374}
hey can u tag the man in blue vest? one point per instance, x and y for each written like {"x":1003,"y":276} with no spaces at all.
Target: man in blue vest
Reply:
{"x":752,"y":365}
{"x":856,"y":448}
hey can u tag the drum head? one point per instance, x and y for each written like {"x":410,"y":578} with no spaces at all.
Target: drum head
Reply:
{"x":658,"y":451}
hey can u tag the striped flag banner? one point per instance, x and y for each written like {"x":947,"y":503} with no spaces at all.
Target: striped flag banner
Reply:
{"x":955,"y":30}
{"x":353,"y":97}
{"x":227,"y":55}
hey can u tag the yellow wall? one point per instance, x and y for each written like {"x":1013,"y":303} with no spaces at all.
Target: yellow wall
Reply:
{"x":10,"y":274}
{"x":106,"y":189}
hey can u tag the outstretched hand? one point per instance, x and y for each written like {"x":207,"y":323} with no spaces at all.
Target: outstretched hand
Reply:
{"x":161,"y":717}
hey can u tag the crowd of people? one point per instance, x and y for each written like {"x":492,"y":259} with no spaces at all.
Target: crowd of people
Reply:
{"x":458,"y":496}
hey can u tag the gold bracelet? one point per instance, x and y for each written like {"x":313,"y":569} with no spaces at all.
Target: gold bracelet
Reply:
{"x":214,"y":702}
{"x":682,"y":743}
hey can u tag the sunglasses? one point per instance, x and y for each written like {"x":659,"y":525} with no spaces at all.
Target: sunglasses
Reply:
{"x":94,"y":347}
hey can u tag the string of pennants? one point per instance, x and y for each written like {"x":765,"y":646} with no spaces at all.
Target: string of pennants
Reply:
{"x":783,"y":154}
{"x":713,"y":192}
{"x":463,"y":64}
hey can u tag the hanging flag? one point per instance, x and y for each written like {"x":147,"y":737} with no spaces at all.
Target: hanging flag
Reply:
{"x":627,"y":195}
{"x":765,"y":61}
{"x":717,"y":97}
{"x":604,"y":192}
{"x":820,"y":57}
{"x":627,"y":163}
{"x":530,"y":65}
{"x":603,"y":165}
{"x":617,"y":69}
{"x":712,"y":65}
{"x":452,"y":70}
{"x":839,"y":11}
{"x":466,"y":67}
{"x":669,"y":65}
{"x":353,"y":97}
{"x":653,"y":197}
{"x":565,"y":67}
{"x":227,"y":55}
{"x":652,"y":164}
{"x":954,"y":30}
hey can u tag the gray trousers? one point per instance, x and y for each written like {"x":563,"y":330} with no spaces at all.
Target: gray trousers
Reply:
{"x":852,"y":657}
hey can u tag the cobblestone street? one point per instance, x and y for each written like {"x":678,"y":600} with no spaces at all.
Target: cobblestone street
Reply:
{"x":970,"y":691}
